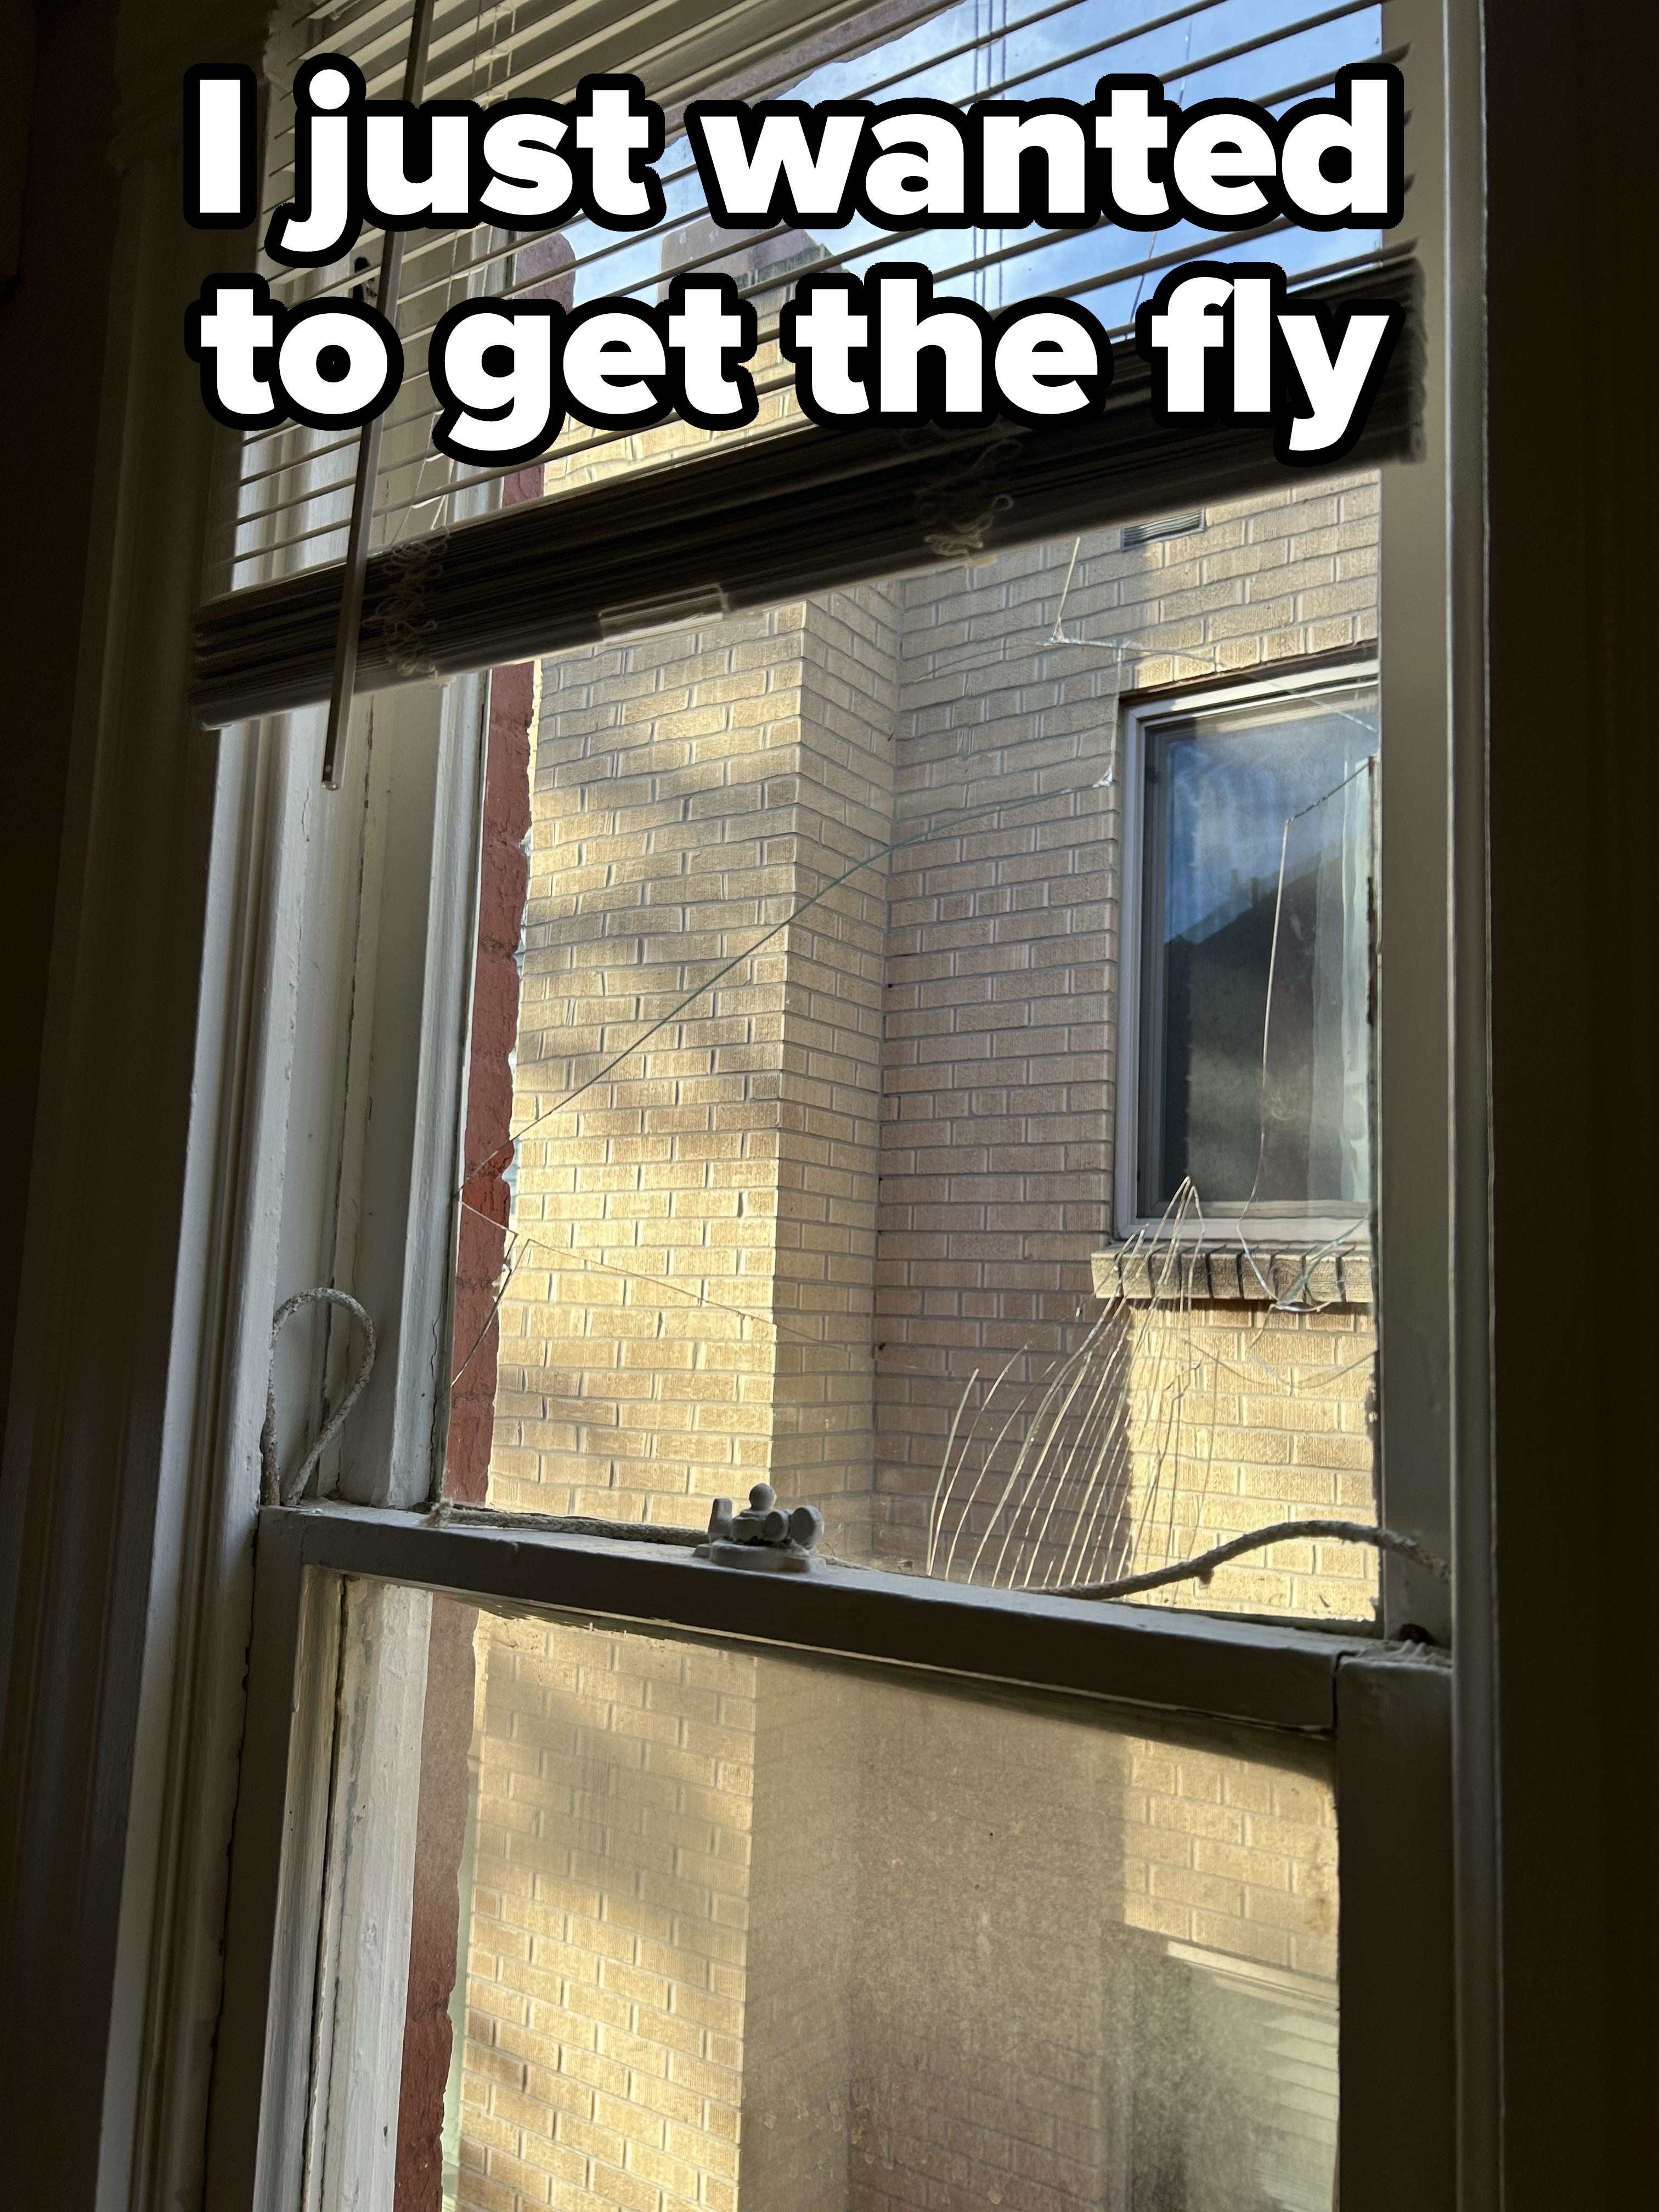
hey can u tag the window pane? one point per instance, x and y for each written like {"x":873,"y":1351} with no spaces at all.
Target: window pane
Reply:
{"x":1258,"y":956}
{"x":729,"y":1929}
{"x":804,"y":1113}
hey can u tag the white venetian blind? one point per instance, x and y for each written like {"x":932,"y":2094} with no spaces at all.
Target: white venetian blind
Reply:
{"x":292,"y":496}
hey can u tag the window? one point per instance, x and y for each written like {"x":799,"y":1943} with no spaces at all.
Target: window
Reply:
{"x":290,"y":512}
{"x":781,"y":1131}
{"x":724,"y":1034}
{"x":1246,"y":1089}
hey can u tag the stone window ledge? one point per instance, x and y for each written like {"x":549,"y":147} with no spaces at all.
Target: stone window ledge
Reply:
{"x":1227,"y":1277}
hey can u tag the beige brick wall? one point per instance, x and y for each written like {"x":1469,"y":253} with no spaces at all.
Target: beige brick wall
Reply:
{"x":1239,"y":1416}
{"x":604,"y":2057}
{"x":840,"y":786}
{"x":1272,"y":577}
{"x":690,"y":1302}
{"x":1235,"y":1855}
{"x":628,"y":1371}
{"x":806,"y":1916}
{"x":995,"y":1155}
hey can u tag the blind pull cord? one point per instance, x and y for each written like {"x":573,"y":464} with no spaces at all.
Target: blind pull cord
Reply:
{"x":368,"y":454}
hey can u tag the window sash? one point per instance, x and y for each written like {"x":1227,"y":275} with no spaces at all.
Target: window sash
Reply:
{"x":1386,"y":1715}
{"x":1251,"y":1671}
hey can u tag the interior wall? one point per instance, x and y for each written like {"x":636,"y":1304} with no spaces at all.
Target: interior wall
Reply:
{"x":51,"y":365}
{"x":1565,"y":1878}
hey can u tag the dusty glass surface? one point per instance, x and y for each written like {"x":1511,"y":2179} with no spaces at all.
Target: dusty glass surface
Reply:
{"x":732,"y":1930}
{"x":803,"y":1096}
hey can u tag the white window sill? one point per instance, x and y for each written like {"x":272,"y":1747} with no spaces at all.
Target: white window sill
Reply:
{"x":1271,"y":1273}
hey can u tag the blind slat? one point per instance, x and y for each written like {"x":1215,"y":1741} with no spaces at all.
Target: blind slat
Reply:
{"x":288,"y":492}
{"x":814,"y":509}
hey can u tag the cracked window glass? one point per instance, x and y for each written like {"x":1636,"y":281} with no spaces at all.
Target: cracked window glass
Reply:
{"x":921,"y":1062}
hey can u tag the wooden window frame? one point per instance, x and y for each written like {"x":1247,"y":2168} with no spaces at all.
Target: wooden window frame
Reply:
{"x":178,"y":853}
{"x":1277,"y":1679}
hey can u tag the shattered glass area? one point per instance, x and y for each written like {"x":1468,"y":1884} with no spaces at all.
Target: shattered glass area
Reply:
{"x":922,"y":1061}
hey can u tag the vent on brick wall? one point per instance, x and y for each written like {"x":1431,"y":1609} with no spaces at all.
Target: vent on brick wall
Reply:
{"x":1168,"y":525}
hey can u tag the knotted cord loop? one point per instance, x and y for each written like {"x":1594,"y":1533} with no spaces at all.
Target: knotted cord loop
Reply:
{"x":959,"y":507}
{"x":273,"y":1491}
{"x":399,"y":624}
